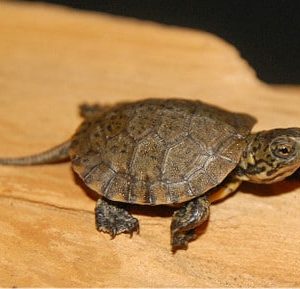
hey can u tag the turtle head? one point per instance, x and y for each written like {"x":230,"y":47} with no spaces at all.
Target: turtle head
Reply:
{"x":270,"y":156}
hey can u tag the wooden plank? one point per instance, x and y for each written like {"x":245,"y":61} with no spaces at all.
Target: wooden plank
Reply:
{"x":53,"y":59}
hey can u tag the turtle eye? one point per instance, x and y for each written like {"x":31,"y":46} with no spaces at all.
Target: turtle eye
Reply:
{"x":283,"y":149}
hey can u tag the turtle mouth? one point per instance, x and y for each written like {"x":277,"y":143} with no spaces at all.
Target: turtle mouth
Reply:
{"x":275,"y":175}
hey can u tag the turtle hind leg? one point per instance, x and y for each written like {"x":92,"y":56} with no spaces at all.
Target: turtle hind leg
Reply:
{"x":113,"y":219}
{"x":90,"y":111}
{"x":185,"y":221}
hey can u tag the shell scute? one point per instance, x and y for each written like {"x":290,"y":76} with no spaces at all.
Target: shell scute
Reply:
{"x":174,"y":126}
{"x":99,"y":177}
{"x":141,"y":190}
{"x":146,"y":160}
{"x":207,"y":132}
{"x":200,"y":181}
{"x":144,"y":122}
{"x":176,"y":190}
{"x":118,"y":189}
{"x":179,"y":160}
{"x":160,"y":191}
{"x":119,"y":151}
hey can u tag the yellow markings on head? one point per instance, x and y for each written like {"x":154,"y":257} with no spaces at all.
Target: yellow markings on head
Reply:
{"x":250,"y":159}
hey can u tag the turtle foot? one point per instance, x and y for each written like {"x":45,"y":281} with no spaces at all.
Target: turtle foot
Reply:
{"x":185,"y":221}
{"x":114,"y":220}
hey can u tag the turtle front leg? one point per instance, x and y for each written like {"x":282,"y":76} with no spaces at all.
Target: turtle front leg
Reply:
{"x":224,"y":191}
{"x":112,"y":219}
{"x":186,"y":219}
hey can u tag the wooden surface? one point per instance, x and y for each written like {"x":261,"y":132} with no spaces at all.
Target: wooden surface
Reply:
{"x":53,"y":59}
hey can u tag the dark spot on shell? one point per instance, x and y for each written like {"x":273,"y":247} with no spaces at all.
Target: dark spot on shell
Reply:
{"x":109,"y":128}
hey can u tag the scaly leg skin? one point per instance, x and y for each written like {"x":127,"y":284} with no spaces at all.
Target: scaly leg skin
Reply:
{"x":89,"y":111}
{"x":224,"y":191}
{"x":112,"y":219}
{"x":186,"y":219}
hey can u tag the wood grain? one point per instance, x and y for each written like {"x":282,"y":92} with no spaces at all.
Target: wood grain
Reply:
{"x":53,"y":59}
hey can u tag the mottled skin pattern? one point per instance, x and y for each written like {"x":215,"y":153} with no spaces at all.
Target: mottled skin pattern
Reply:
{"x":169,"y":152}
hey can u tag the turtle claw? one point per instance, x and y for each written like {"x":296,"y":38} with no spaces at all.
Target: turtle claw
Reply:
{"x":136,"y":229}
{"x":180,"y":240}
{"x":114,"y":220}
{"x":113,"y":232}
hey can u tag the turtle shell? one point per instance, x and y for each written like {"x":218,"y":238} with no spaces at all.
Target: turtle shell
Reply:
{"x":158,"y":151}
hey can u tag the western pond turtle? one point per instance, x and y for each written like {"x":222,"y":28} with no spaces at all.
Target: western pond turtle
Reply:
{"x":169,"y":152}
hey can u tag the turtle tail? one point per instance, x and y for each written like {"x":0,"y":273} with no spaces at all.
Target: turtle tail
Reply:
{"x":56,"y":154}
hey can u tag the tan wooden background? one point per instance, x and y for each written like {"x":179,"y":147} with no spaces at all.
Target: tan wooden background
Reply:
{"x":51,"y":60}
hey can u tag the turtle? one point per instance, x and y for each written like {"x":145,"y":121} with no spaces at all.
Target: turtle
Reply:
{"x":174,"y":152}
